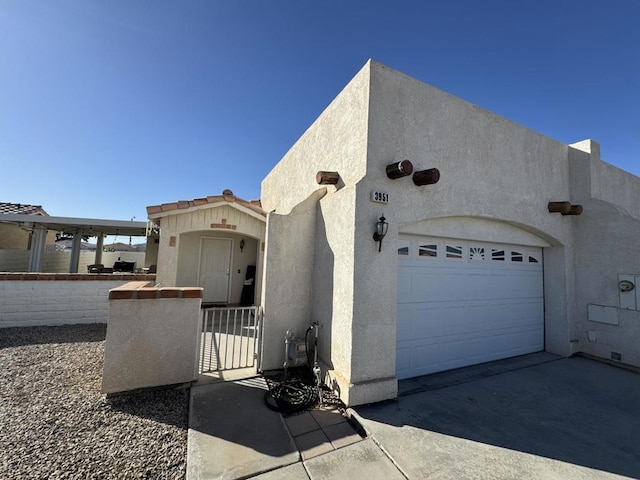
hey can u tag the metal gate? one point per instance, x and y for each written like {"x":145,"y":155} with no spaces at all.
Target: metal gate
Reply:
{"x":230,"y":338}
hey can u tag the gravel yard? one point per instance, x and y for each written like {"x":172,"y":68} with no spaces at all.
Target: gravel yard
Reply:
{"x":55,"y":423}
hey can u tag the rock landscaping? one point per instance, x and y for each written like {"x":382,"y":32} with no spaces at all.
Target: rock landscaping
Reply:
{"x":55,"y":423}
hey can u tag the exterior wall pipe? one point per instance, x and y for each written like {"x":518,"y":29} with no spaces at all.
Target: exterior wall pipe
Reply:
{"x":399,"y":169}
{"x":426,"y":177}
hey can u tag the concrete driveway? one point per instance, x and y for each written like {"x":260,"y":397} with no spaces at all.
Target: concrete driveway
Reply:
{"x":571,"y":418}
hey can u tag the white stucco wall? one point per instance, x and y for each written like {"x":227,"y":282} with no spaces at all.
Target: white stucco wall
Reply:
{"x":606,"y":239}
{"x":497,"y":179}
{"x":491,"y":169}
{"x":299,"y":242}
{"x":334,"y":285}
{"x":150,"y":343}
{"x":288,"y":281}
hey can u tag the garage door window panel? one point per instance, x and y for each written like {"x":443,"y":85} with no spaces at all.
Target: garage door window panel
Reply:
{"x":497,"y":255}
{"x":454,"y":252}
{"x":429,"y":250}
{"x":476,"y":254}
{"x":404,"y":247}
{"x":534,"y":257}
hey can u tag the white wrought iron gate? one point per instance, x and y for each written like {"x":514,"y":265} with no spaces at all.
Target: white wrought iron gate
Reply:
{"x":230,"y":338}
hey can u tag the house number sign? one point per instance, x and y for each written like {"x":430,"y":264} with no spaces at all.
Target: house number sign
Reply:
{"x":379,"y":197}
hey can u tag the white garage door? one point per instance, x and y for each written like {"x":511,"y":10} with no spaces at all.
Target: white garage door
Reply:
{"x":462,"y":302}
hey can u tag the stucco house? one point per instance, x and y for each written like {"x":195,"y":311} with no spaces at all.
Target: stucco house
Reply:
{"x":215,"y":242}
{"x":15,"y":237}
{"x":422,"y":233}
{"x":499,"y":242}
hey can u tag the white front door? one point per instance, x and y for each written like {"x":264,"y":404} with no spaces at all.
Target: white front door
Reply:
{"x":463,"y":302}
{"x":215,"y":269}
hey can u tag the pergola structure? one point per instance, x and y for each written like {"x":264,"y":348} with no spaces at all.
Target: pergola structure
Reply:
{"x":78,"y":227}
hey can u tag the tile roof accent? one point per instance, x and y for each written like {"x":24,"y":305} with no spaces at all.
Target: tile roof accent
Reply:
{"x":21,"y":209}
{"x":226,"y":197}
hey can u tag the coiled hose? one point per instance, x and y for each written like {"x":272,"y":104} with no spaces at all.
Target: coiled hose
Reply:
{"x":291,"y":396}
{"x":294,"y":395}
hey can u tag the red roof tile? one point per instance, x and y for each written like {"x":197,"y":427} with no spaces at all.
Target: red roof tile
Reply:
{"x":227,"y":197}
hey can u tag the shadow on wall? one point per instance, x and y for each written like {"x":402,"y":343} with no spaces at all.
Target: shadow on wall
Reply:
{"x":322,"y":301}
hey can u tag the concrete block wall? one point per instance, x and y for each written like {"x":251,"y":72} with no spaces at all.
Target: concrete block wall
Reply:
{"x":14,"y":260}
{"x":58,"y":262}
{"x":38,"y":299}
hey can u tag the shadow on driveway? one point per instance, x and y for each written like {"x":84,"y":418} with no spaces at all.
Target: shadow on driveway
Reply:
{"x":576,"y":410}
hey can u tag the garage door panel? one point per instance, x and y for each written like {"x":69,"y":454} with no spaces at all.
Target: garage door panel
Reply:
{"x":528,"y":341}
{"x":428,"y":353}
{"x":461,"y":317}
{"x":440,"y":286}
{"x":514,"y":314}
{"x":405,"y":317}
{"x":463,"y":353}
{"x":526,"y":284}
{"x":405,"y":282}
{"x":403,"y":361}
{"x":426,"y":358}
{"x":470,"y":350}
{"x":455,"y":313}
{"x":426,"y":324}
{"x":432,"y":286}
{"x":507,"y":286}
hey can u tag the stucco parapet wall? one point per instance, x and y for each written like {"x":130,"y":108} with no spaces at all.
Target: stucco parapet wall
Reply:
{"x":146,"y":291}
{"x":128,"y":277}
{"x":155,"y":211}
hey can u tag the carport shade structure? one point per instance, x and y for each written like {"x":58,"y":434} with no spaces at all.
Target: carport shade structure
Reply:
{"x":39,"y":225}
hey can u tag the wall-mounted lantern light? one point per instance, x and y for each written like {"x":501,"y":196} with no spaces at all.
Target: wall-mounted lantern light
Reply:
{"x":241,"y":245}
{"x":399,"y":169}
{"x":381,"y":230}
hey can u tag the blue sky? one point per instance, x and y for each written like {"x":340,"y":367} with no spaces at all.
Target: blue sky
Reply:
{"x":109,"y":106}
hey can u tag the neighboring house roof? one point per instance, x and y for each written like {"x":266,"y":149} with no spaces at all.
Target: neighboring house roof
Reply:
{"x":123,"y":247}
{"x":22,"y":209}
{"x":155,"y":211}
{"x":67,"y":244}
